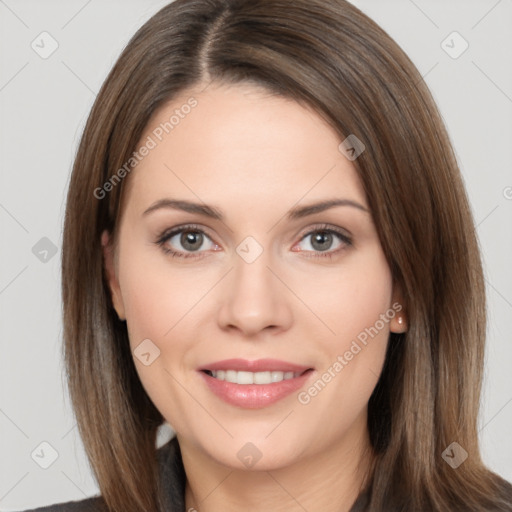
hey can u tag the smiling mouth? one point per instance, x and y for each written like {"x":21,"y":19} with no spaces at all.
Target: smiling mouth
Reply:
{"x":244,"y":377}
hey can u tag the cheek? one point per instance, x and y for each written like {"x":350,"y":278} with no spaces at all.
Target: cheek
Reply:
{"x":358,"y":309}
{"x":157,"y":299}
{"x":351,"y":298}
{"x":160,"y":306}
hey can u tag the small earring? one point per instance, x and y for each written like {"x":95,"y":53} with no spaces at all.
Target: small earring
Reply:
{"x":401,"y":323}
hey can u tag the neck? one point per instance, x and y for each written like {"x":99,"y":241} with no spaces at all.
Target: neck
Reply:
{"x":327,"y":481}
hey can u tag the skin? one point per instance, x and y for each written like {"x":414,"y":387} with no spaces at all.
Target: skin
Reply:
{"x":254,"y":156}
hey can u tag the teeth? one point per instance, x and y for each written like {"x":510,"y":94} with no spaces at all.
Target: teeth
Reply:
{"x":252,"y":377}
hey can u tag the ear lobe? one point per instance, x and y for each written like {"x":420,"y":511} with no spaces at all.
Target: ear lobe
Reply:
{"x":110,"y":273}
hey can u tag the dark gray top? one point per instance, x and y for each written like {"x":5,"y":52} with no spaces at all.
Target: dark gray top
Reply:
{"x":173,"y":482}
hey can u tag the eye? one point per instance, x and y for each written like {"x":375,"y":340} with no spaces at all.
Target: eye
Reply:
{"x":190,"y":238}
{"x":193,"y":239}
{"x":320,"y":241}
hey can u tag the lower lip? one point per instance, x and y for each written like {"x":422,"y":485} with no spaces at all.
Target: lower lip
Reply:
{"x":254,"y":396}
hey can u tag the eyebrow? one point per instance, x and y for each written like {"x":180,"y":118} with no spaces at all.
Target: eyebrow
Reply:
{"x":215,"y":213}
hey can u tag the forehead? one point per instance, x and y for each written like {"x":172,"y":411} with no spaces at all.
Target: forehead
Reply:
{"x":240,"y":144}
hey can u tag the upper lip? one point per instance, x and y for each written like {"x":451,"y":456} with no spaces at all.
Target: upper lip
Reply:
{"x":259,"y":365}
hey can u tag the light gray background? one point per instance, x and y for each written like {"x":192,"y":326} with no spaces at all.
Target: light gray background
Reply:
{"x":44,"y":104}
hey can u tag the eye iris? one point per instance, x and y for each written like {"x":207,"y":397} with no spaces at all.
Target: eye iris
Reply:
{"x":191,"y":240}
{"x":324,"y":239}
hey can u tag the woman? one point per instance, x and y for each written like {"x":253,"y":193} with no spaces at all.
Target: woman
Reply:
{"x":267,"y":243}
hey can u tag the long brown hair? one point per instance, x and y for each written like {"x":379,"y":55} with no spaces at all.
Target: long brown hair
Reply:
{"x":328,"y":55}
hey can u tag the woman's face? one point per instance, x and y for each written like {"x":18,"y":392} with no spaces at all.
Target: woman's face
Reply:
{"x":258,"y":274}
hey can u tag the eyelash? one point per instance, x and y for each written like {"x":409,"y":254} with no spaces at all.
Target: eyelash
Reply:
{"x":324,"y":228}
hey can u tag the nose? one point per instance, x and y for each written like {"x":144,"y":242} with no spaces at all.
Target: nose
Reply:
{"x":254,"y":299}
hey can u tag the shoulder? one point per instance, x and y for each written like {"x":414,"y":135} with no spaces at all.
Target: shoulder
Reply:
{"x":172,"y":476}
{"x":94,"y":504}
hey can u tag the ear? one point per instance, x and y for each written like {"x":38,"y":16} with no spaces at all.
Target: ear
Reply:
{"x":110,"y":272}
{"x":399,"y":323}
